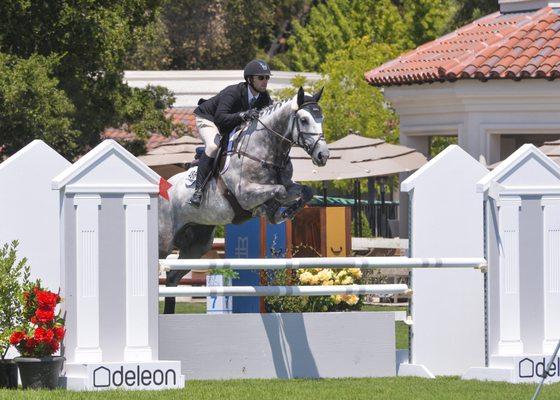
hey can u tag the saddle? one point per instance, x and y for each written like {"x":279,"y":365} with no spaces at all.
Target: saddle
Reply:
{"x":225,"y":148}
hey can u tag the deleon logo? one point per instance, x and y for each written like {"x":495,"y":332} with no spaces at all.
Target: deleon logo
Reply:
{"x":529,"y":368}
{"x":104,"y":377}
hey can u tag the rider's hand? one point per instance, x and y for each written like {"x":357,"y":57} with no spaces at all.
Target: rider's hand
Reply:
{"x":249,"y":115}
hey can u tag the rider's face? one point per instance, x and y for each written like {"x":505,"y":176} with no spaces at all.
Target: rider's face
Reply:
{"x":260,"y":82}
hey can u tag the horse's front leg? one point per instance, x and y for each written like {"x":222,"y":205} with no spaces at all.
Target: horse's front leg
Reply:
{"x":296,"y":191}
{"x":253,"y":195}
{"x":277,"y":212}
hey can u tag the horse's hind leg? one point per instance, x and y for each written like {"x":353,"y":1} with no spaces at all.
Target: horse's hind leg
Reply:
{"x":192,"y":241}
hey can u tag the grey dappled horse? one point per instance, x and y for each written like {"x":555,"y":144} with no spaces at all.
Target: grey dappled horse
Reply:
{"x":258,"y":174}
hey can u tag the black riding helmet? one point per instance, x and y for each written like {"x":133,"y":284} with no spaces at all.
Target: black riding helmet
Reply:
{"x":256,"y":67}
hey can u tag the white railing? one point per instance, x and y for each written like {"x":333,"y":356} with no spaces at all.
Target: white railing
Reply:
{"x":331,"y":262}
{"x":382,"y":290}
{"x":296,"y":263}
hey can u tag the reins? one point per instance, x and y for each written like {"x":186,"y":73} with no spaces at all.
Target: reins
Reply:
{"x":299,"y":141}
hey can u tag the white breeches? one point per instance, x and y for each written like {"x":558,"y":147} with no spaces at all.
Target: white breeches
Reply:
{"x":210,"y":135}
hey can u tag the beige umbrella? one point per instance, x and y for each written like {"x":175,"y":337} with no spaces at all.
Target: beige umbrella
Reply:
{"x":375,"y":156}
{"x":335,"y":169}
{"x":552,"y":150}
{"x":352,"y":157}
{"x":170,"y":158}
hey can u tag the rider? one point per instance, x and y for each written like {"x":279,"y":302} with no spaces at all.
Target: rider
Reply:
{"x":223,"y":112}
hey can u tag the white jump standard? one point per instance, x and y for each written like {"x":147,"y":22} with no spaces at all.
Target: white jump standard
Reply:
{"x":108,"y":207}
{"x":105,"y":211}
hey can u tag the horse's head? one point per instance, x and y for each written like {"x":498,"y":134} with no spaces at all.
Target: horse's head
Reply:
{"x":307,"y":126}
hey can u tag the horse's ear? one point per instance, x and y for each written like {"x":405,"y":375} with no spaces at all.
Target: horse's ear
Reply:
{"x":300,"y":96}
{"x":317,"y":96}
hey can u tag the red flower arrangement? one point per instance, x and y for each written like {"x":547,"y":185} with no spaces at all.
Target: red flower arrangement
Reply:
{"x":43,"y":331}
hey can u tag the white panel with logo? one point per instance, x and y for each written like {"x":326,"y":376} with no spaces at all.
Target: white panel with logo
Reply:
{"x":522,"y":205}
{"x":109,"y":230}
{"x":134,"y":376}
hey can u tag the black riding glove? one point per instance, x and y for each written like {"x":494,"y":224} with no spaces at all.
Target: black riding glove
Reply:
{"x":249,"y":115}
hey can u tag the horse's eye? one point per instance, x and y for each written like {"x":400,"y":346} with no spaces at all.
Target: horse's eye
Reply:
{"x":304,"y":120}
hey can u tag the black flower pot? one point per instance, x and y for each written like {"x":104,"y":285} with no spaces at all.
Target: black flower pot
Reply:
{"x":39,"y":373}
{"x":8,"y":374}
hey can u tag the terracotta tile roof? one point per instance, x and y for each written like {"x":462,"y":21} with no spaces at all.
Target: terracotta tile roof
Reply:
{"x":499,"y":46}
{"x":181,"y":114}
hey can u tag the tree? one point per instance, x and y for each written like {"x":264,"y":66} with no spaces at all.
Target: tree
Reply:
{"x":469,"y":10}
{"x":334,"y":23}
{"x":151,"y":49}
{"x":32,"y":106}
{"x":426,"y":20}
{"x":86,"y":43}
{"x":349,"y":102}
{"x":218,"y":34}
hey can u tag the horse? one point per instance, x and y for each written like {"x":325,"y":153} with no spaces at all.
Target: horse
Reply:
{"x":255,"y":180}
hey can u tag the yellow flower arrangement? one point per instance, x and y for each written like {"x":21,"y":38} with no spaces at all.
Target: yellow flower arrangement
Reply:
{"x":329,"y":277}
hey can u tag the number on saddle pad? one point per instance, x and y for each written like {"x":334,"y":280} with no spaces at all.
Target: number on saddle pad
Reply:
{"x":190,"y":179}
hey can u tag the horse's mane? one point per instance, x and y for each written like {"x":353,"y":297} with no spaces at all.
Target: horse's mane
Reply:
{"x":273,"y":107}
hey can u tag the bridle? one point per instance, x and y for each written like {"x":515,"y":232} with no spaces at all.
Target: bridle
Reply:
{"x":300,"y":141}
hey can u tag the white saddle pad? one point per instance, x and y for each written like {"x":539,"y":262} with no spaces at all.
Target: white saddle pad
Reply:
{"x":191,"y":177}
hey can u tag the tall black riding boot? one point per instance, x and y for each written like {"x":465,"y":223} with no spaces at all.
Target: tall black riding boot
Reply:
{"x":204,"y":169}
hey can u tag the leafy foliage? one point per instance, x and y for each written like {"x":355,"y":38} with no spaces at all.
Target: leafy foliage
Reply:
{"x":227,"y":34}
{"x":32,"y":106}
{"x":469,"y":10}
{"x":334,"y":23}
{"x":349,"y":103}
{"x":14,"y":277}
{"x":86,"y":43}
{"x":152,"y":47}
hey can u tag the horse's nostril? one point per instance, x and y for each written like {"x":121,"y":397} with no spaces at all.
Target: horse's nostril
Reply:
{"x":320,"y":155}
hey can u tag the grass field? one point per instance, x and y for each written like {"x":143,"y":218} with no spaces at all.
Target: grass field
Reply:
{"x":351,"y":389}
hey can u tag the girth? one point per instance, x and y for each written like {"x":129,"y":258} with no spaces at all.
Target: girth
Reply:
{"x":240,"y":214}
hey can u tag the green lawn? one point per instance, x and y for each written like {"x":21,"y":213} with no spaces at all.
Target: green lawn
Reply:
{"x":186,"y":308}
{"x":351,"y":389}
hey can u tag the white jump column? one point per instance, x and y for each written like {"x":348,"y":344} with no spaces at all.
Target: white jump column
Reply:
{"x":33,"y":204}
{"x":447,"y":306}
{"x":109,"y":222}
{"x":87,"y":277}
{"x":522,"y":215}
{"x":137,"y":322}
{"x":510,"y":313}
{"x":551,"y":250}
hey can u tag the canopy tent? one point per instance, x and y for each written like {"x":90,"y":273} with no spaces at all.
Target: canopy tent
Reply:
{"x":170,"y":158}
{"x":335,"y":169}
{"x":550,"y":148}
{"x":352,"y":157}
{"x":375,"y":156}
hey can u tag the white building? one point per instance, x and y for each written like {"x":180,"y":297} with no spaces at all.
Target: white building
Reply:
{"x":190,"y":86}
{"x":490,"y":83}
